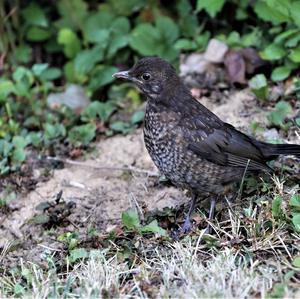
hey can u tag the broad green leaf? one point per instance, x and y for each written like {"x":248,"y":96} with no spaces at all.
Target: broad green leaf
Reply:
{"x":52,"y":131}
{"x":212,"y":7}
{"x":19,"y":155}
{"x":259,"y":86}
{"x":137,"y":117}
{"x":295,"y":55}
{"x":126,"y":8}
{"x":50,"y":74}
{"x":185,"y":44}
{"x":268,"y":13}
{"x":295,"y":12}
{"x":145,"y":39}
{"x":19,"y":142}
{"x":169,"y":31}
{"x":295,"y":200}
{"x":34,"y":15}
{"x":280,"y":73}
{"x":121,"y":126}
{"x":6,"y":87}
{"x":78,"y":254}
{"x":282,"y":109}
{"x":296,"y":221}
{"x":101,"y":76}
{"x":82,"y":135}
{"x":86,"y":60}
{"x":98,"y":109}
{"x":153,"y":227}
{"x":23,"y":53}
{"x":70,"y":41}
{"x":97,"y":28}
{"x":285,"y":35}
{"x":37,"y":34}
{"x":130,"y":219}
{"x":156,"y":40}
{"x":296,"y":262}
{"x":276,"y":206}
{"x":73,"y":13}
{"x":273,"y":52}
{"x":38,"y":68}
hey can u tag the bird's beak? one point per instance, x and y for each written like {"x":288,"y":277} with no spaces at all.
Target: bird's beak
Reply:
{"x":122,"y":75}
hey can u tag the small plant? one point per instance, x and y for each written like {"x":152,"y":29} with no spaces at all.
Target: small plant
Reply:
{"x":131,"y":221}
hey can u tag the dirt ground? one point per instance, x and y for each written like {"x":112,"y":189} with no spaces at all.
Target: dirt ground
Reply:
{"x":101,"y":195}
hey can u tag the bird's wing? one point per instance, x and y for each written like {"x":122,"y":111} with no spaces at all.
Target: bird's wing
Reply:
{"x":207,"y":136}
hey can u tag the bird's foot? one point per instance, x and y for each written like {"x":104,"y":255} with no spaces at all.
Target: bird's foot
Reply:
{"x":207,"y":230}
{"x":187,"y":226}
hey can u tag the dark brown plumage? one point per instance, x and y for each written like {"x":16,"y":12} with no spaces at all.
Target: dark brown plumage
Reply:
{"x":188,"y":143}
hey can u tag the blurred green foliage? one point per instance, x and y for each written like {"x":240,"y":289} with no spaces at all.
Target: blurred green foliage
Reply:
{"x":47,"y":44}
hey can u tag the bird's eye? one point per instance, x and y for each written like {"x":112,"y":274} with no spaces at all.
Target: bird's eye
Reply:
{"x":146,"y":76}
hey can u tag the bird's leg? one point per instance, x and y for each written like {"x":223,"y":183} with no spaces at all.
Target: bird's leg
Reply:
{"x":211,"y":214}
{"x":187,"y":226}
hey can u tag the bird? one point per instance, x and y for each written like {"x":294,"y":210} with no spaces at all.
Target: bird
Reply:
{"x":189,"y":144}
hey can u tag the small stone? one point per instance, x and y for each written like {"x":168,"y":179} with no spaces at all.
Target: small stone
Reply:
{"x":74,"y":97}
{"x":215,"y":51}
{"x":193,"y":64}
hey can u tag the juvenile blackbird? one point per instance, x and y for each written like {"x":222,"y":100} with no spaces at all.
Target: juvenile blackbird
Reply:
{"x":188,"y":143}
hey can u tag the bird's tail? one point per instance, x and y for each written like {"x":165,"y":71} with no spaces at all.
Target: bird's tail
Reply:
{"x":273,"y":150}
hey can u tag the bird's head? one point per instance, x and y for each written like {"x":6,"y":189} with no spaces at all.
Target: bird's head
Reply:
{"x":152,"y":75}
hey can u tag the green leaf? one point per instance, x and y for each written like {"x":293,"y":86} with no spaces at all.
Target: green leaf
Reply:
{"x":282,"y":109}
{"x":259,"y":86}
{"x":19,"y":142}
{"x":144,"y":39}
{"x":295,"y":12}
{"x":296,"y":222}
{"x":156,"y":40}
{"x":98,"y":109}
{"x":280,"y":73}
{"x":269,"y":13}
{"x":121,"y":126}
{"x":50,"y":74}
{"x":82,"y":135}
{"x":23,"y":53}
{"x":6,"y":87}
{"x":37,"y":34}
{"x":70,"y":41}
{"x":78,"y":254}
{"x":212,"y":7}
{"x":153,"y":227}
{"x":185,"y":44}
{"x":101,"y":76}
{"x":283,"y":36}
{"x":73,"y":13}
{"x":126,"y":8}
{"x":295,"y":200}
{"x":276,"y":206}
{"x":295,"y":55}
{"x":137,"y":117}
{"x":130,"y":219}
{"x":296,"y":262}
{"x":38,"y":68}
{"x":19,"y":155}
{"x":97,"y":28}
{"x":86,"y":60}
{"x":53,"y":131}
{"x":34,"y":15}
{"x":273,"y":52}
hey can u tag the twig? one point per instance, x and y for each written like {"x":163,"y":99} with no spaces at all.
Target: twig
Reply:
{"x":128,"y":168}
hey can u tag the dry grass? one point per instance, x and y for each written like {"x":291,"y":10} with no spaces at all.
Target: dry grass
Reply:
{"x":249,"y":255}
